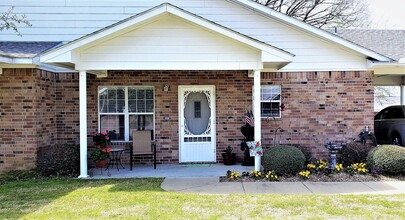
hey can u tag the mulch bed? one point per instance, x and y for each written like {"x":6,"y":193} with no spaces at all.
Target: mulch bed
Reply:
{"x":341,"y":177}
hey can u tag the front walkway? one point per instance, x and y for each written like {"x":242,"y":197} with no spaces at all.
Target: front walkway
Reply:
{"x":205,"y":179}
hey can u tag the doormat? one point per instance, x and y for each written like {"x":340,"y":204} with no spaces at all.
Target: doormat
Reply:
{"x":196,"y":165}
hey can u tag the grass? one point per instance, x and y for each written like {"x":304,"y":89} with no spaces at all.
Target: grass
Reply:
{"x":144,"y":199}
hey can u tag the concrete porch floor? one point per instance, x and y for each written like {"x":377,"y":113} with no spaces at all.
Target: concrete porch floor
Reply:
{"x":171,"y":170}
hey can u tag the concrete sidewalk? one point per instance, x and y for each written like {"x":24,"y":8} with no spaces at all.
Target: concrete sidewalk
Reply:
{"x":211,"y":185}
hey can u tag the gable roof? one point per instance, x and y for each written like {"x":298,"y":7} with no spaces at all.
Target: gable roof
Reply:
{"x":390,"y":43}
{"x":268,"y":52}
{"x":264,"y":10}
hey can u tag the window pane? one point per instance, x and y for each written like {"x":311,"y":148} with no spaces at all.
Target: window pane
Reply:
{"x":112,"y":93}
{"x":149,"y":106}
{"x":120,"y":105}
{"x":140,"y":100}
{"x":114,"y":125}
{"x":270,"y":109}
{"x":149,"y":94}
{"x":132,"y":105}
{"x":140,"y":106}
{"x":111,"y":99}
{"x":112,"y":105}
{"x":141,"y":94}
{"x":132,"y":93}
{"x":270,"y":93}
{"x":140,"y":122}
{"x":103,"y":99}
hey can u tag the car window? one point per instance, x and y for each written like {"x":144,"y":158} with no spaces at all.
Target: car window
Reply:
{"x":382,"y":115}
{"x":394,"y":113}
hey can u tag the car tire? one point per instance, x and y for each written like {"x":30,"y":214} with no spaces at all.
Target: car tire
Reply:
{"x":396,"y":139}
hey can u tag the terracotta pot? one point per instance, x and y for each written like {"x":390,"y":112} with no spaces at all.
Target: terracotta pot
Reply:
{"x":101,"y":163}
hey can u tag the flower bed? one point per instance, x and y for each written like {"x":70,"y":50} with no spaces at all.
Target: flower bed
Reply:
{"x":315,"y":172}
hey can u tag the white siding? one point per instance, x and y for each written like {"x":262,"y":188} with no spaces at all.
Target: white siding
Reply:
{"x":66,"y":20}
{"x":173,"y":44}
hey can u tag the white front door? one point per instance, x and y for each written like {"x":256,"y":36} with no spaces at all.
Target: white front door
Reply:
{"x":197,"y":124}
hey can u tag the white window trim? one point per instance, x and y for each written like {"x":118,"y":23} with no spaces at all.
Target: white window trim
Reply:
{"x":126,"y":113}
{"x":261,"y":101}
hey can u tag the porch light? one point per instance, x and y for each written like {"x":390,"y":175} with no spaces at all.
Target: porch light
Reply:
{"x":166,"y":88}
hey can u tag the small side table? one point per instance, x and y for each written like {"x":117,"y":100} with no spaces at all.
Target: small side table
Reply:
{"x":115,"y":158}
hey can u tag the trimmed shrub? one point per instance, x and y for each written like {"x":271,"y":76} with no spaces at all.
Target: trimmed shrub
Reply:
{"x":388,"y":159}
{"x":59,"y":160}
{"x":353,"y":152}
{"x":307,"y":153}
{"x":284,"y":160}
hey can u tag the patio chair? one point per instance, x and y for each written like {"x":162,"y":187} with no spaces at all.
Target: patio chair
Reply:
{"x":142,"y":144}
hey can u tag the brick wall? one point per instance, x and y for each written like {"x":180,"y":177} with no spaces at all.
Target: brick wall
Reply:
{"x":27,"y":115}
{"x":67,"y":107}
{"x":320,"y":107}
{"x":39,"y":108}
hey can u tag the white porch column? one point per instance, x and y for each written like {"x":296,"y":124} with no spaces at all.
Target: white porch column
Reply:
{"x":256,"y":113}
{"x":402,"y":94}
{"x":83,"y":123}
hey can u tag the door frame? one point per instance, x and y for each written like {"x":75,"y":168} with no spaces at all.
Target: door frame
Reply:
{"x":181,"y":89}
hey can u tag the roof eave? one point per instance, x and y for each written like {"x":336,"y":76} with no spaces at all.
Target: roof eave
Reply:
{"x":257,"y":7}
{"x":12,"y":60}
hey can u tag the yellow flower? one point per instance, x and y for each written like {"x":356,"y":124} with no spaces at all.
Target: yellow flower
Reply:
{"x":304,"y":174}
{"x":339,"y":167}
{"x":311,"y":166}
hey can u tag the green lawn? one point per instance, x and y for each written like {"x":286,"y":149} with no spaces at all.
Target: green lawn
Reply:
{"x":144,"y":199}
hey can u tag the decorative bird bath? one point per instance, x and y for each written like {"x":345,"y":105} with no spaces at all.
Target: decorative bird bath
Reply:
{"x":333,"y":149}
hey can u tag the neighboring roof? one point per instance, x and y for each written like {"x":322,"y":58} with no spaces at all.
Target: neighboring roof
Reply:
{"x":390,"y":43}
{"x":13,"y":49}
{"x":310,"y":29}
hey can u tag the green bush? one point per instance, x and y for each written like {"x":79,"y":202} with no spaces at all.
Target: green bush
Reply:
{"x":59,"y":160}
{"x":307,"y":153}
{"x":353,"y":153}
{"x":388,"y":159}
{"x":284,"y":160}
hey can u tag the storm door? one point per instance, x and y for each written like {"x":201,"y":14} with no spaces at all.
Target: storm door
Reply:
{"x":197,"y":124}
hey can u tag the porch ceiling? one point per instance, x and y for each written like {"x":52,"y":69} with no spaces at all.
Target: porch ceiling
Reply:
{"x":387,"y":74}
{"x":167,"y":38}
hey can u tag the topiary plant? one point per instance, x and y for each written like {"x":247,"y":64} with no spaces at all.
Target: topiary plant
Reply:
{"x":284,"y":160}
{"x":353,"y":152}
{"x":388,"y":159}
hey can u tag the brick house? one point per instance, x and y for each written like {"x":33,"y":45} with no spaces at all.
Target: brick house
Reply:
{"x":187,"y":70}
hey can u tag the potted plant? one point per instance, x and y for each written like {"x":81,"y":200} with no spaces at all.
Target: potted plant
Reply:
{"x":228,"y":156}
{"x":102,"y":151}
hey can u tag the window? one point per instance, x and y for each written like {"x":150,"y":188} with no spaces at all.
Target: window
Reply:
{"x":270,"y":96}
{"x":125,"y":109}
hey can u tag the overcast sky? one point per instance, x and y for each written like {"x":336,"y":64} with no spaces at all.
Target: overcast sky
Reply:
{"x":387,"y":14}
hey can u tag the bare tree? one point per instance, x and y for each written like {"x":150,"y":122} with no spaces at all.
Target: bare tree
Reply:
{"x":322,"y":13}
{"x":9,"y":20}
{"x":385,"y":95}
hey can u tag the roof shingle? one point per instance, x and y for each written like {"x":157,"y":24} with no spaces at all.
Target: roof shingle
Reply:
{"x":390,"y":43}
{"x":15,"y":49}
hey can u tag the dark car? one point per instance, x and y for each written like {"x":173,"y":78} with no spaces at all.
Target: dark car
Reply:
{"x":389,"y":125}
